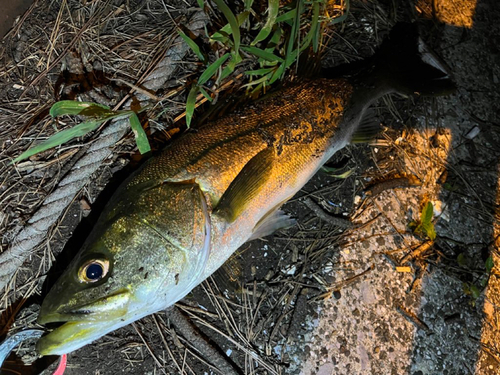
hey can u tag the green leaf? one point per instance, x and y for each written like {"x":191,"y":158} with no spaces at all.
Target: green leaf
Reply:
{"x":484,"y":282}
{"x":413,"y":225}
{"x":212,"y":68}
{"x":489,"y":264}
{"x":290,"y":15}
{"x":275,"y":40}
{"x":191,"y":43}
{"x":73,"y":107}
{"x":206,"y":94}
{"x":223,"y":34}
{"x":257,"y":81}
{"x":466,"y":288}
{"x":292,"y":54}
{"x":277,"y":74}
{"x":291,"y":58}
{"x":462,"y":260}
{"x":233,"y":22}
{"x":235,"y":59}
{"x":201,"y":4}
{"x":60,"y":138}
{"x":474,"y":291}
{"x":427,"y":213}
{"x":429,"y":230}
{"x":268,"y":56}
{"x":313,"y":29}
{"x":272,"y":13}
{"x":450,"y":187}
{"x":317,"y":38}
{"x":248,"y":4}
{"x":141,"y":139}
{"x":220,"y":36}
{"x":191,"y":103}
{"x":333,"y":172}
{"x":257,"y":89}
{"x":327,"y":169}
{"x":259,"y":72}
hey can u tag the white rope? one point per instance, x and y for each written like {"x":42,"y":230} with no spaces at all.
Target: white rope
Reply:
{"x":35,"y":231}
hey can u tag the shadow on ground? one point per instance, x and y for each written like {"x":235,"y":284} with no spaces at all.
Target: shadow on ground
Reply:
{"x":463,"y":321}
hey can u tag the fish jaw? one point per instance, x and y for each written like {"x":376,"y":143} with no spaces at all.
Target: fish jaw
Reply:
{"x":75,"y":334}
{"x":84,"y":324}
{"x":71,"y":336}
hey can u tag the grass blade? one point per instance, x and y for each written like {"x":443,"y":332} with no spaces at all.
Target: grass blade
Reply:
{"x":259,"y":72}
{"x":277,"y":74}
{"x":262,"y":80}
{"x":314,"y":26}
{"x":268,"y":56}
{"x":206,"y":94}
{"x":223,"y":34}
{"x":212,"y":68}
{"x":291,"y":53}
{"x":73,"y":107}
{"x":191,"y":104}
{"x":489,"y":264}
{"x":290,"y":15}
{"x":317,"y":39}
{"x":271,"y":20}
{"x":343,"y":17}
{"x":275,"y":40}
{"x":233,"y":22}
{"x":236,"y":59}
{"x":141,"y":139}
{"x":60,"y":138}
{"x":248,"y":4}
{"x":191,"y":43}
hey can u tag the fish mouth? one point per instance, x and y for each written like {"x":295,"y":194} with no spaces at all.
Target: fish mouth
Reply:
{"x":71,"y":336}
{"x":83,"y":324}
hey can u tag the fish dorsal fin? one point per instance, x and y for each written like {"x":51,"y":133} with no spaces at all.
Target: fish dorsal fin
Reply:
{"x":368,"y":128}
{"x":270,"y":223}
{"x":246,"y":186}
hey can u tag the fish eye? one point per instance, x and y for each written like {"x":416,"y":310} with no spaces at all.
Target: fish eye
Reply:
{"x":93,"y":270}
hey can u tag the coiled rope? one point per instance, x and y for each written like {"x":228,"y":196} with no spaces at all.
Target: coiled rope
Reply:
{"x":35,"y":231}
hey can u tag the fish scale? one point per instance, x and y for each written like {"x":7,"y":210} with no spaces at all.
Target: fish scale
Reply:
{"x":185,"y":212}
{"x":215,"y":154}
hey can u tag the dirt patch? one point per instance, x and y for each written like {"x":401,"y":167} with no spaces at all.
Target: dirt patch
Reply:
{"x":9,"y":11}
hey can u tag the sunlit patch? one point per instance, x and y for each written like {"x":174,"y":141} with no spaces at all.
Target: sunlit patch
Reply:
{"x":336,"y":8}
{"x":451,"y":12}
{"x":490,"y":332}
{"x":421,"y":156}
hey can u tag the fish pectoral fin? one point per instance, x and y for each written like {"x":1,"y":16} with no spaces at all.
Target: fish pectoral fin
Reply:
{"x":270,"y":223}
{"x":246,"y":186}
{"x":368,"y":128}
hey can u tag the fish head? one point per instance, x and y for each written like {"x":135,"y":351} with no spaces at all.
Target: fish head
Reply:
{"x":144,"y":254}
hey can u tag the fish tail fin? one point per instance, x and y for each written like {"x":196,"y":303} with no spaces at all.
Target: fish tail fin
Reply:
{"x":403,"y":64}
{"x":408,"y":66}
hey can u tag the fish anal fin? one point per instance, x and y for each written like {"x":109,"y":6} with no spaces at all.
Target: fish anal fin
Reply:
{"x":270,"y":223}
{"x":368,"y":128}
{"x":246,"y":186}
{"x":228,"y":277}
